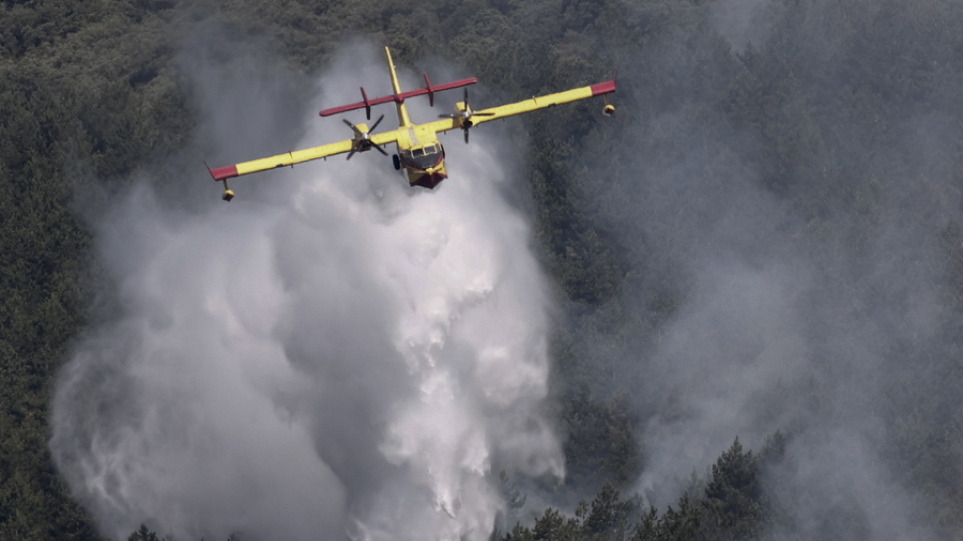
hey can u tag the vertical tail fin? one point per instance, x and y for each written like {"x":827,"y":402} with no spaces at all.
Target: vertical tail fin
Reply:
{"x":403,"y":117}
{"x":395,"y":85}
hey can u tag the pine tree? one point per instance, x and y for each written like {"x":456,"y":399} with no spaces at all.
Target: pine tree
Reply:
{"x":732,"y":498}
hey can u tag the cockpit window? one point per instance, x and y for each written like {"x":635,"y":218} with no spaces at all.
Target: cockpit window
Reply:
{"x":424,"y":151}
{"x":424,"y":157}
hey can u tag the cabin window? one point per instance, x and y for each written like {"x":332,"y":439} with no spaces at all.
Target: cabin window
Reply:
{"x":423,"y":158}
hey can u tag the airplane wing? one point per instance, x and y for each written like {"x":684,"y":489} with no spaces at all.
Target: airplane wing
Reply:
{"x":534,"y":104}
{"x":300,"y":156}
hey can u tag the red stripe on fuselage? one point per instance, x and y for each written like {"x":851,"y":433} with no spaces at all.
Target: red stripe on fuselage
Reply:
{"x":429,"y":181}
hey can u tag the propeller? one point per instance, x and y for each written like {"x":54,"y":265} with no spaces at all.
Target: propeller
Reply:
{"x":362,"y":138}
{"x":464,"y":116}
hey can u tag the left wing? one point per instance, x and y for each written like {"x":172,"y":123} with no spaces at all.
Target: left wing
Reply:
{"x":301,"y":156}
{"x":473,"y":118}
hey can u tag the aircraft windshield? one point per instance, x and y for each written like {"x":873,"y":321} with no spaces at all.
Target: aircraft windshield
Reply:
{"x":423,"y":158}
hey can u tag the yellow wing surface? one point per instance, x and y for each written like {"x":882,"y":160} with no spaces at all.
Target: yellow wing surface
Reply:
{"x":526,"y":106}
{"x":301,"y":156}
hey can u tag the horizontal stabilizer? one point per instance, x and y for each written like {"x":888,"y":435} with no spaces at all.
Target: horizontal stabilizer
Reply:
{"x":398,"y":98}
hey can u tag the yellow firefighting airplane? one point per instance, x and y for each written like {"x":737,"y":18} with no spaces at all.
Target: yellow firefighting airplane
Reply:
{"x":419,"y":150}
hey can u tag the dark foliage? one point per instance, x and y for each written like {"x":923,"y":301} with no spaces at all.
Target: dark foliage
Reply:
{"x":731,"y":506}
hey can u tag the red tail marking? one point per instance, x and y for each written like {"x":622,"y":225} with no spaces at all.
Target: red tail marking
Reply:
{"x":367,"y":103}
{"x":397,"y":98}
{"x":431,"y":91}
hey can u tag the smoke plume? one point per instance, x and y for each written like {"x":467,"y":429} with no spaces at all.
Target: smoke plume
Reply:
{"x":803,"y":263}
{"x":333,"y":355}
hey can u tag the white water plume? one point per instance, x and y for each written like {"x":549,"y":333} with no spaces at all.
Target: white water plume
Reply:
{"x":341,"y":357}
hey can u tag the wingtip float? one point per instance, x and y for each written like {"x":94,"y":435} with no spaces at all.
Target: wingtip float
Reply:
{"x":418,"y":149}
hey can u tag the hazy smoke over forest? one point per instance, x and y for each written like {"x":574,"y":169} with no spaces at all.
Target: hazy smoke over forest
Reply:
{"x":332,"y":355}
{"x":336,"y":355}
{"x":807,"y":297}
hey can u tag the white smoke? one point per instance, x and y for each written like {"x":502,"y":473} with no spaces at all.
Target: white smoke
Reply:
{"x":333,"y":355}
{"x":795,"y":308}
{"x":742,"y":22}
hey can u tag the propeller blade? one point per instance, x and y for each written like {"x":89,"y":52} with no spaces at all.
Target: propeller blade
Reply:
{"x":372,"y":128}
{"x":466,"y":135}
{"x":466,"y":99}
{"x":351,"y":153}
{"x":353,"y":127}
{"x":381,"y":150}
{"x":482,"y":114}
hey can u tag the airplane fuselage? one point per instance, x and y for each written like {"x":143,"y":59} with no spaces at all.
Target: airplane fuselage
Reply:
{"x":422,"y":156}
{"x":419,"y":150}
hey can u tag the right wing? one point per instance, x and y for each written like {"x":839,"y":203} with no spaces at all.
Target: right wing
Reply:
{"x":526,"y":106}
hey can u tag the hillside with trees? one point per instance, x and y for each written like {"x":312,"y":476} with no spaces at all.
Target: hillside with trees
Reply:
{"x":759,"y":257}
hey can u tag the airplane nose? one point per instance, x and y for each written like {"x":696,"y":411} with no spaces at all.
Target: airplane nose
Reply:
{"x":429,"y":180}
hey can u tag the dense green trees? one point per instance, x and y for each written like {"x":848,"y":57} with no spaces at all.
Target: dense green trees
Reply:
{"x":732,"y":505}
{"x":77,"y":100}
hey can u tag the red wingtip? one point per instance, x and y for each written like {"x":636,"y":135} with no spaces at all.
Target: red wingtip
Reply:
{"x":603,"y":88}
{"x":223,"y":173}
